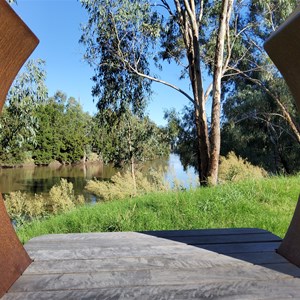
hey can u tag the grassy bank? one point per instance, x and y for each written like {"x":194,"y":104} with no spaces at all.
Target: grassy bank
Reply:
{"x":267,"y":203}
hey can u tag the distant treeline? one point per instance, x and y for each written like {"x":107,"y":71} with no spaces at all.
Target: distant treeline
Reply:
{"x":37,"y":129}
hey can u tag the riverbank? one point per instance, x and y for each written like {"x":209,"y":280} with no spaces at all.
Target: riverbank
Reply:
{"x":267,"y":204}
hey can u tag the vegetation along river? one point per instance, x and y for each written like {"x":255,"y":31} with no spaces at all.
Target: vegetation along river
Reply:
{"x":35,"y":180}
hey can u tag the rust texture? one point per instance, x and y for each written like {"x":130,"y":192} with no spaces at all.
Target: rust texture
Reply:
{"x":283,"y":48}
{"x":290,"y":246}
{"x":16,"y":44}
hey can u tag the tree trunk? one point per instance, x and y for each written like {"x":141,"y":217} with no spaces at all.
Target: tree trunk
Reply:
{"x":133,"y":175}
{"x":189,"y":27}
{"x":132,"y":163}
{"x":215,"y":138}
{"x":200,"y":116}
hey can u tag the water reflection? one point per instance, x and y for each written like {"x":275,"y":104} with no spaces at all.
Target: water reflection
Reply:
{"x":41,"y":179}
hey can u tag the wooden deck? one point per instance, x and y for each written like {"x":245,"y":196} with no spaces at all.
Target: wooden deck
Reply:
{"x":195,"y":264}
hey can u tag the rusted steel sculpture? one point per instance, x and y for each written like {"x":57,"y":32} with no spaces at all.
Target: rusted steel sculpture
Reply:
{"x":284,"y":49}
{"x":16,"y":44}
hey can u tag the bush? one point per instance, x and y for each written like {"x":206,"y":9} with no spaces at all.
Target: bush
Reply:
{"x":121,"y":186}
{"x":61,"y":197}
{"x":93,"y":157}
{"x":21,"y":206}
{"x":234,"y":169}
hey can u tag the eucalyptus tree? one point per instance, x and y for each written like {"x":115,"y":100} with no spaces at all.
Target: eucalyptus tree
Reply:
{"x":255,"y":129}
{"x":221,"y":40}
{"x":122,"y":37}
{"x":255,"y":68}
{"x":18,"y":121}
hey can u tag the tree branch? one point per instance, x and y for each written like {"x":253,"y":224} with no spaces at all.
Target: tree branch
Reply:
{"x":285,"y":112}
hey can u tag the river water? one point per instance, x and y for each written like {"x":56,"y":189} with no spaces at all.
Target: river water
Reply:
{"x":35,"y":180}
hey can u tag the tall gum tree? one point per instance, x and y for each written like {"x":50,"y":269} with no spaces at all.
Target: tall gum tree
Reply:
{"x":121,"y":37}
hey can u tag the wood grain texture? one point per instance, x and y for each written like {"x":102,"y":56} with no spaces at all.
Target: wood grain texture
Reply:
{"x":178,"y":261}
{"x":123,"y":251}
{"x":148,"y":277}
{"x":132,"y":265}
{"x":225,"y":290}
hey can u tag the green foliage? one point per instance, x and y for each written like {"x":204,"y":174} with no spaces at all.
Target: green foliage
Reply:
{"x":121,"y":186}
{"x":256,"y":129}
{"x":266,"y":203}
{"x":119,"y":32}
{"x":64,"y":130}
{"x":122,"y":138}
{"x":233,"y":168}
{"x":21,"y":206}
{"x":185,"y":144}
{"x":18,"y":123}
{"x":66,"y":134}
{"x":61,"y":197}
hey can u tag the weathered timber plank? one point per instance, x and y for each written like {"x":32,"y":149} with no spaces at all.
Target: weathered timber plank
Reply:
{"x":144,"y":241}
{"x":40,"y":282}
{"x":258,"y":258}
{"x":103,"y":243}
{"x":286,"y":268}
{"x":95,"y":253}
{"x":241,"y":290}
{"x":126,"y":235}
{"x":241,"y":247}
{"x":179,"y":262}
{"x":227,"y":239}
{"x":88,"y":236}
{"x":203,"y":232}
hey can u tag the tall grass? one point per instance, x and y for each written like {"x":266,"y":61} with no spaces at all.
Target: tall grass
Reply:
{"x":266,"y":203}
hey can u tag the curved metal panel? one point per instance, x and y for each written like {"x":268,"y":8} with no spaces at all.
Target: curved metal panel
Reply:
{"x":283,"y":47}
{"x":16,"y":44}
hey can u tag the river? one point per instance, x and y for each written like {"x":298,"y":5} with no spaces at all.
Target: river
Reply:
{"x":35,"y":180}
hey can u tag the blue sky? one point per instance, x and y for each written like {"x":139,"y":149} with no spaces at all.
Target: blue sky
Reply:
{"x":57,"y":24}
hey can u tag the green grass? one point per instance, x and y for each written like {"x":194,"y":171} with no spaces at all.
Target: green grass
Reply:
{"x":268,"y":204}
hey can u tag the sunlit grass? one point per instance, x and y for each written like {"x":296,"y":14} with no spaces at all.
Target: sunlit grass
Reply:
{"x":267,"y":203}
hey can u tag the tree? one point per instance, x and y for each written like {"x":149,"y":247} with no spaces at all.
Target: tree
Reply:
{"x":18,"y":121}
{"x":122,"y":36}
{"x":257,"y":78}
{"x":256,"y":69}
{"x":255,"y":129}
{"x":129,"y":139}
{"x":64,"y":131}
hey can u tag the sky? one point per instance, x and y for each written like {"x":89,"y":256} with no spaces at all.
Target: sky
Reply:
{"x":57,"y":25}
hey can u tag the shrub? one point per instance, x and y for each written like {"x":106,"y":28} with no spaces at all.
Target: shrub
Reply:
{"x":93,"y":157}
{"x":233,"y":168}
{"x":20,"y":206}
{"x":15,"y":204}
{"x":35,"y":206}
{"x":61,"y":198}
{"x":121,"y":186}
